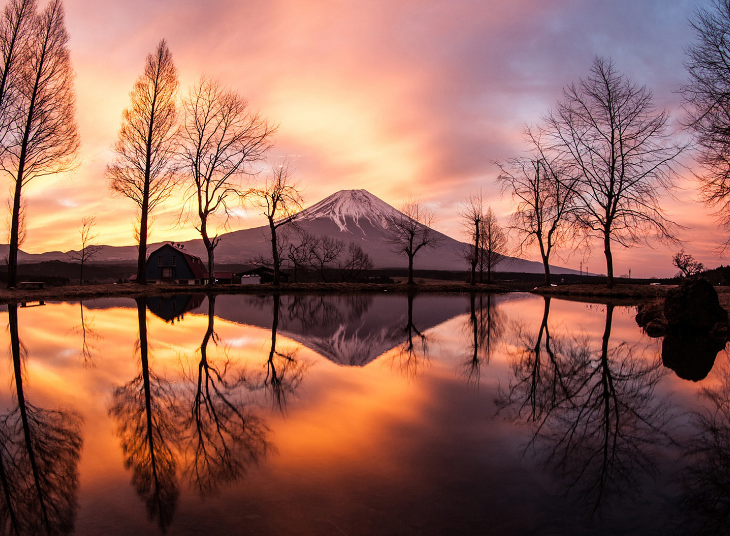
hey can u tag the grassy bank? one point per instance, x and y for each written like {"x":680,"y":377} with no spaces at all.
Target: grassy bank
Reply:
{"x":618,"y":294}
{"x":132,"y":290}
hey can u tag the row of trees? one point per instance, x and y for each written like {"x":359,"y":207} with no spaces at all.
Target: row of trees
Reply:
{"x":604,"y":156}
{"x":599,"y":164}
{"x":207,"y":151}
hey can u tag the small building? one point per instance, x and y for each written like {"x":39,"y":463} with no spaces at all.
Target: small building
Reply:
{"x":170,"y":264}
{"x":265,"y":274}
{"x":223,"y":278}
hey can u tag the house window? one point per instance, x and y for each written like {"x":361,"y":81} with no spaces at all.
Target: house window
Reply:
{"x":159,"y":260}
{"x":174,"y":260}
{"x":166,"y":273}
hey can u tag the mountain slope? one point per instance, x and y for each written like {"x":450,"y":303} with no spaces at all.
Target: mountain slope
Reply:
{"x":348,"y":215}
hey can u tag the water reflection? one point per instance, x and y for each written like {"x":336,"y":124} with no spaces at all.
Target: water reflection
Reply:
{"x":89,"y":338}
{"x":486,"y":326}
{"x":352,"y":444}
{"x":284,"y":371}
{"x":39,"y":455}
{"x":597,"y":422}
{"x":221,"y":437}
{"x":705,"y":497}
{"x":145,"y":413}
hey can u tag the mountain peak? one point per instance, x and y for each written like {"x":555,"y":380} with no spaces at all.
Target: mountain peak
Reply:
{"x":353,"y":204}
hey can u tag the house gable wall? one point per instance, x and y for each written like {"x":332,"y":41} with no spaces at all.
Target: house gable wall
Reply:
{"x":162,"y":258}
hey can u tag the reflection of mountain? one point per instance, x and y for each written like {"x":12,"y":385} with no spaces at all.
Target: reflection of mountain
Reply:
{"x":348,"y":330}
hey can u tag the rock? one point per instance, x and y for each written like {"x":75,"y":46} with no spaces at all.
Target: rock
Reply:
{"x":720,"y":332}
{"x":693,"y":306}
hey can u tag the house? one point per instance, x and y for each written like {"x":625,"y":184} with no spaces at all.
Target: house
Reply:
{"x":170,"y":264}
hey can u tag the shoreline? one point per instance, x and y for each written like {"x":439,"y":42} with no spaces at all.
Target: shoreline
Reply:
{"x":619,"y":294}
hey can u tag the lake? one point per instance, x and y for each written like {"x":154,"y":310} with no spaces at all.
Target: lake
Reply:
{"x":360,"y":414}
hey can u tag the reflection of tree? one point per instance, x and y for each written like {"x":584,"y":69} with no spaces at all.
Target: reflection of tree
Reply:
{"x":596,"y":421}
{"x":313,"y":312}
{"x":223,"y":437}
{"x":486,"y":327}
{"x":284,"y":372}
{"x":39,"y":454}
{"x":413,"y":352}
{"x":146,"y":424}
{"x":88,"y":334}
{"x":706,"y":480}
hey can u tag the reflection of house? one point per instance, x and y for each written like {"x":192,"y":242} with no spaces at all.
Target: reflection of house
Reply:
{"x":264,"y":274}
{"x":169,"y":264}
{"x":171,"y":308}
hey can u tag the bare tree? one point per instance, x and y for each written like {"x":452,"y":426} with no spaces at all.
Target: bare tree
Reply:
{"x":618,"y":147}
{"x":355,"y":263}
{"x":410,"y":231}
{"x":43,"y":139}
{"x":88,"y":250}
{"x":280,"y":199}
{"x":493,"y":245}
{"x":325,"y":251}
{"x":707,"y":102}
{"x":300,"y":254}
{"x":687,"y":264}
{"x":16,"y":33}
{"x":545,"y":194}
{"x":472,"y":214}
{"x":143,"y":169}
{"x":221,"y":138}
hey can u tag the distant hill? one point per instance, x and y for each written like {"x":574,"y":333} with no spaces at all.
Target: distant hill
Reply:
{"x":349,"y":215}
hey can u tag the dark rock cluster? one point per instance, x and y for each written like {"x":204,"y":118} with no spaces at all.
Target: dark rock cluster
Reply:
{"x":694,"y":326}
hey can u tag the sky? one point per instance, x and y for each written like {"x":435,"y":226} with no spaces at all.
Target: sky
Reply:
{"x":402,"y":98}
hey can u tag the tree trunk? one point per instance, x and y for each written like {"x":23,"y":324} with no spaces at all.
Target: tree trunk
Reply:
{"x":274,"y":252}
{"x":545,"y":261}
{"x":410,"y":270}
{"x":142,"y":252}
{"x":475,"y":257}
{"x":14,"y":236}
{"x":211,"y":266}
{"x":609,"y":259}
{"x":81,"y":270}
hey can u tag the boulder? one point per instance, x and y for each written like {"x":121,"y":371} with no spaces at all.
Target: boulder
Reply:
{"x":693,"y":306}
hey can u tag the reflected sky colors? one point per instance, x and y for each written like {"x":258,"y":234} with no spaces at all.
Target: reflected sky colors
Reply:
{"x":426,"y":437}
{"x":407,"y":97}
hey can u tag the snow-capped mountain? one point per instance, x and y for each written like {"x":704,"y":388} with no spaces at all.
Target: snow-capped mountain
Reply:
{"x":348,"y":207}
{"x":348,"y":215}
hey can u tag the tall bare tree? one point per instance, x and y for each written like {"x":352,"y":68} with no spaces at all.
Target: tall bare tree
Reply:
{"x":16,"y":32}
{"x":618,"y":146}
{"x":279,"y":199}
{"x":43,"y":139}
{"x":545,"y":195}
{"x":472,"y":214}
{"x":221,"y":138}
{"x":493,"y":245}
{"x":707,"y":102}
{"x":88,"y":250}
{"x":410,"y":231}
{"x":143,"y":169}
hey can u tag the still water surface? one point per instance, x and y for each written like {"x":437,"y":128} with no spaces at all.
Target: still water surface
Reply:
{"x":365,"y":414}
